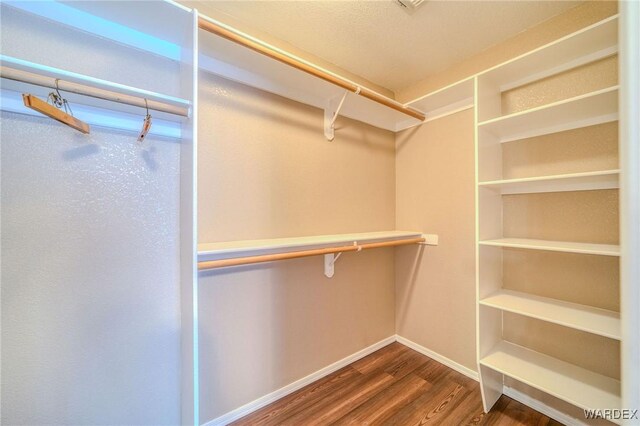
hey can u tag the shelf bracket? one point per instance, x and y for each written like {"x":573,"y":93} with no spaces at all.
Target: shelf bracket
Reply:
{"x":329,"y":264}
{"x":331,"y":259}
{"x":331,"y":113}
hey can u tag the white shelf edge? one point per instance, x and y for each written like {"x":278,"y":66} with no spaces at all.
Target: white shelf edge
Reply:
{"x":601,"y":179}
{"x":550,"y":44}
{"x":441,"y":90}
{"x":559,"y":246}
{"x":584,"y":60}
{"x":123,"y":33}
{"x":463,"y":96}
{"x":508,"y":117}
{"x":576,"y":385}
{"x":580,"y":317}
{"x":224,"y":250}
{"x":585,"y":110}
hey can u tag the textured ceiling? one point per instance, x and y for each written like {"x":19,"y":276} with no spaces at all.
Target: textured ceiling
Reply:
{"x":379,"y":41}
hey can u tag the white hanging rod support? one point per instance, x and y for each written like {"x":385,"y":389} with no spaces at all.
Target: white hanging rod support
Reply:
{"x":257,"y":45}
{"x":223,"y":263}
{"x":88,"y":87}
{"x":331,"y":112}
{"x":337,"y":111}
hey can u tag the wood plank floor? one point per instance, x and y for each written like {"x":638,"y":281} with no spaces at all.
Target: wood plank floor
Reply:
{"x":393,"y":386}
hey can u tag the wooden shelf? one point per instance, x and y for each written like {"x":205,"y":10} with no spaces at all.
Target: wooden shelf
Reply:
{"x":578,"y":386}
{"x":225,"y":250}
{"x":589,"y":44}
{"x":234,"y":62}
{"x":590,"y":109}
{"x":580,"y":317}
{"x":445,"y":101}
{"x":561,"y":246}
{"x":586,"y":181}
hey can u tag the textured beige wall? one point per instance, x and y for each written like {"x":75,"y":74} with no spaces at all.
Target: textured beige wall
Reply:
{"x":595,"y":353}
{"x":550,"y":30}
{"x":578,"y":81}
{"x":266,"y":171}
{"x":435,"y":292}
{"x":580,"y":216}
{"x":580,"y":150}
{"x":578,"y":278}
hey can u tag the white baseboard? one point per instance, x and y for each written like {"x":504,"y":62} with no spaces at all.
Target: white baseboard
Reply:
{"x":540,"y":406}
{"x":298,"y":384}
{"x":437,"y":357}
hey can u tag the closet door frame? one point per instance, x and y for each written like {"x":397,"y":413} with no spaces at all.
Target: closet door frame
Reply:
{"x":190,"y":400}
{"x":629,"y":38}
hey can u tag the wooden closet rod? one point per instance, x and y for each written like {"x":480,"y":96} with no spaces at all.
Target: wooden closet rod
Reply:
{"x":263,"y":48}
{"x":223,"y":263}
{"x":94,"y":92}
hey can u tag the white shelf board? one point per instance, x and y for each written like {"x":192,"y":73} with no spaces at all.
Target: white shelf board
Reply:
{"x":586,"y":181}
{"x":160,"y":29}
{"x":225,"y":250}
{"x":575,"y":385}
{"x":580,"y":317}
{"x":234,"y":62}
{"x":561,"y":246}
{"x":445,"y":101}
{"x":592,"y":108}
{"x":589,"y":44}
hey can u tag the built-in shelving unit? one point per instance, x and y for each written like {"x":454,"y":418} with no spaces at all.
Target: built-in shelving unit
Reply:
{"x":587,"y":181}
{"x":499,"y":358}
{"x":576,"y":385}
{"x":586,"y":318}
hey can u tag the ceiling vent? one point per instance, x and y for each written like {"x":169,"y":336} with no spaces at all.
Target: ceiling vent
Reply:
{"x":409,"y":6}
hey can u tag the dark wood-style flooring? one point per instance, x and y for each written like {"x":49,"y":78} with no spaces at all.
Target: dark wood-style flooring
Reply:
{"x":393,"y":386}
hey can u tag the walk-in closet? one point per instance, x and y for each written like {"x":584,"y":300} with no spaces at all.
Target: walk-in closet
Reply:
{"x":393,"y":212}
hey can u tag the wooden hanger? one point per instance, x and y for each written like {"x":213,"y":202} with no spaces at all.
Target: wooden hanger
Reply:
{"x":31,"y":101}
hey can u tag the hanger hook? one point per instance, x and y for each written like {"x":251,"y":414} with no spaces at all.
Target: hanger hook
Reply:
{"x":146,"y":123}
{"x":63,"y":100}
{"x":57,"y":100}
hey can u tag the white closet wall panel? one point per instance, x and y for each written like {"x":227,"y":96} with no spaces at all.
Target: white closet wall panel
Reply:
{"x":90,"y":313}
{"x":90,"y":247}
